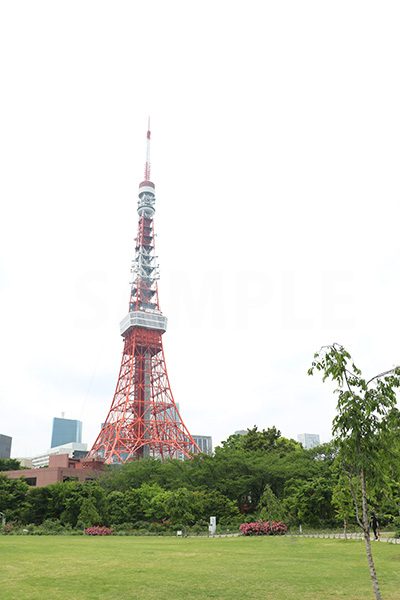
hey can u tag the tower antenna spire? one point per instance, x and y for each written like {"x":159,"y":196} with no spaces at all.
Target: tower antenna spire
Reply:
{"x":147,"y":166}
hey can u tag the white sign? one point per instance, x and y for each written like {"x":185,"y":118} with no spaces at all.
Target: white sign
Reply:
{"x":212,"y":528}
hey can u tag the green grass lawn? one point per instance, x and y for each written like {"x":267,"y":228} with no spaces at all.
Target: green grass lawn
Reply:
{"x":161,"y":568}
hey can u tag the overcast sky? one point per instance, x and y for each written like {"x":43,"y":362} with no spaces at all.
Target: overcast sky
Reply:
{"x":275,"y":154}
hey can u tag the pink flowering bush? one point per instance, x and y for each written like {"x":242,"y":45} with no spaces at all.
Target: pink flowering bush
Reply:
{"x":263,"y":528}
{"x":98,"y":530}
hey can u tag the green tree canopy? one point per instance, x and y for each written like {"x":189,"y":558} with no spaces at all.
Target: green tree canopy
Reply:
{"x":88,"y":514}
{"x":9,"y":464}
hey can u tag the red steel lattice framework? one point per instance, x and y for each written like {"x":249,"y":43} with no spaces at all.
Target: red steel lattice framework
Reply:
{"x":143,"y":419}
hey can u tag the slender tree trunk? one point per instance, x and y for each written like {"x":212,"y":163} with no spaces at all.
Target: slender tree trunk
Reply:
{"x":345,"y":528}
{"x":367,"y":539}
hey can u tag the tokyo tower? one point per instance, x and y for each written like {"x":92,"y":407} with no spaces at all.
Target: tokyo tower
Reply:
{"x":143,"y":419}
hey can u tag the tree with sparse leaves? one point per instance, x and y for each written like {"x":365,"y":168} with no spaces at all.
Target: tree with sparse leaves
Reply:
{"x":365,"y":427}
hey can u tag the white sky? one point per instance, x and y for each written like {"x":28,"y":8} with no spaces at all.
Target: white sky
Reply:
{"x":275,"y":155}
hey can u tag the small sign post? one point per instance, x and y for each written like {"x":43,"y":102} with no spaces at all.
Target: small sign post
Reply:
{"x":212,"y":528}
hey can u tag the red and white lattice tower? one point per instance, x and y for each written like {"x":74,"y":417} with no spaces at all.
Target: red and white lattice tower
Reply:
{"x":143,"y":419}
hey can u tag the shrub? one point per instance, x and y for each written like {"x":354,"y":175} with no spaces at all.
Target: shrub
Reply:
{"x":53,"y":527}
{"x":198,"y":530}
{"x":121,"y":527}
{"x":263,"y":528}
{"x":98,"y":530}
{"x":7,"y":529}
{"x":156,"y":528}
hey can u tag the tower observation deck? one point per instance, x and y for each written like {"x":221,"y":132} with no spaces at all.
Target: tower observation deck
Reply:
{"x":143,"y":419}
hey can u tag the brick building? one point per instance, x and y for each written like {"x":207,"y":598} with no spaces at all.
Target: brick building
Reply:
{"x":61,"y":468}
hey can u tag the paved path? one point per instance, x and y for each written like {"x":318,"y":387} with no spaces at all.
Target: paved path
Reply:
{"x":342,"y":536}
{"x":337,"y":536}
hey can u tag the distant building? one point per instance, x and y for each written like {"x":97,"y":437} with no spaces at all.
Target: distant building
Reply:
{"x":61,"y":468}
{"x":5,"y":446}
{"x":66,"y":431}
{"x":308,"y":440}
{"x":72,"y":450}
{"x":26,"y":463}
{"x":204,"y":442}
{"x":241,"y":432}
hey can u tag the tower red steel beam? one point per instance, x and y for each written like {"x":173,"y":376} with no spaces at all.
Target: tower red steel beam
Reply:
{"x":143,"y":419}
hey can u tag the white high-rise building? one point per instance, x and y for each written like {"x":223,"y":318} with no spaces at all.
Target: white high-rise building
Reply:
{"x":73,"y":449}
{"x":308,"y":440}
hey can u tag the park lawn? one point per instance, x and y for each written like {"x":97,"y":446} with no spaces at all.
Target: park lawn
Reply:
{"x":162,"y":568}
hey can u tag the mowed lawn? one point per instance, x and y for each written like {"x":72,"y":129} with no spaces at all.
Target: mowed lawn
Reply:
{"x":160,"y":568}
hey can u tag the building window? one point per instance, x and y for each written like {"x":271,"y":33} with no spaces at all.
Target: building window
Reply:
{"x":31,"y":481}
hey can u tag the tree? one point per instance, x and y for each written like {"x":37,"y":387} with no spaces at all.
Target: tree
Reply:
{"x":117,"y":508}
{"x":88,"y":514}
{"x":37,"y":504}
{"x":341,"y":496}
{"x":132,"y":474}
{"x":66,"y":498}
{"x":310,"y":503}
{"x":216,"y":504}
{"x":12,"y":498}
{"x":182,"y":506}
{"x":270,"y":507}
{"x":133,"y":500}
{"x":254,"y":440}
{"x":366,"y":423}
{"x":324,"y":452}
{"x":9,"y":464}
